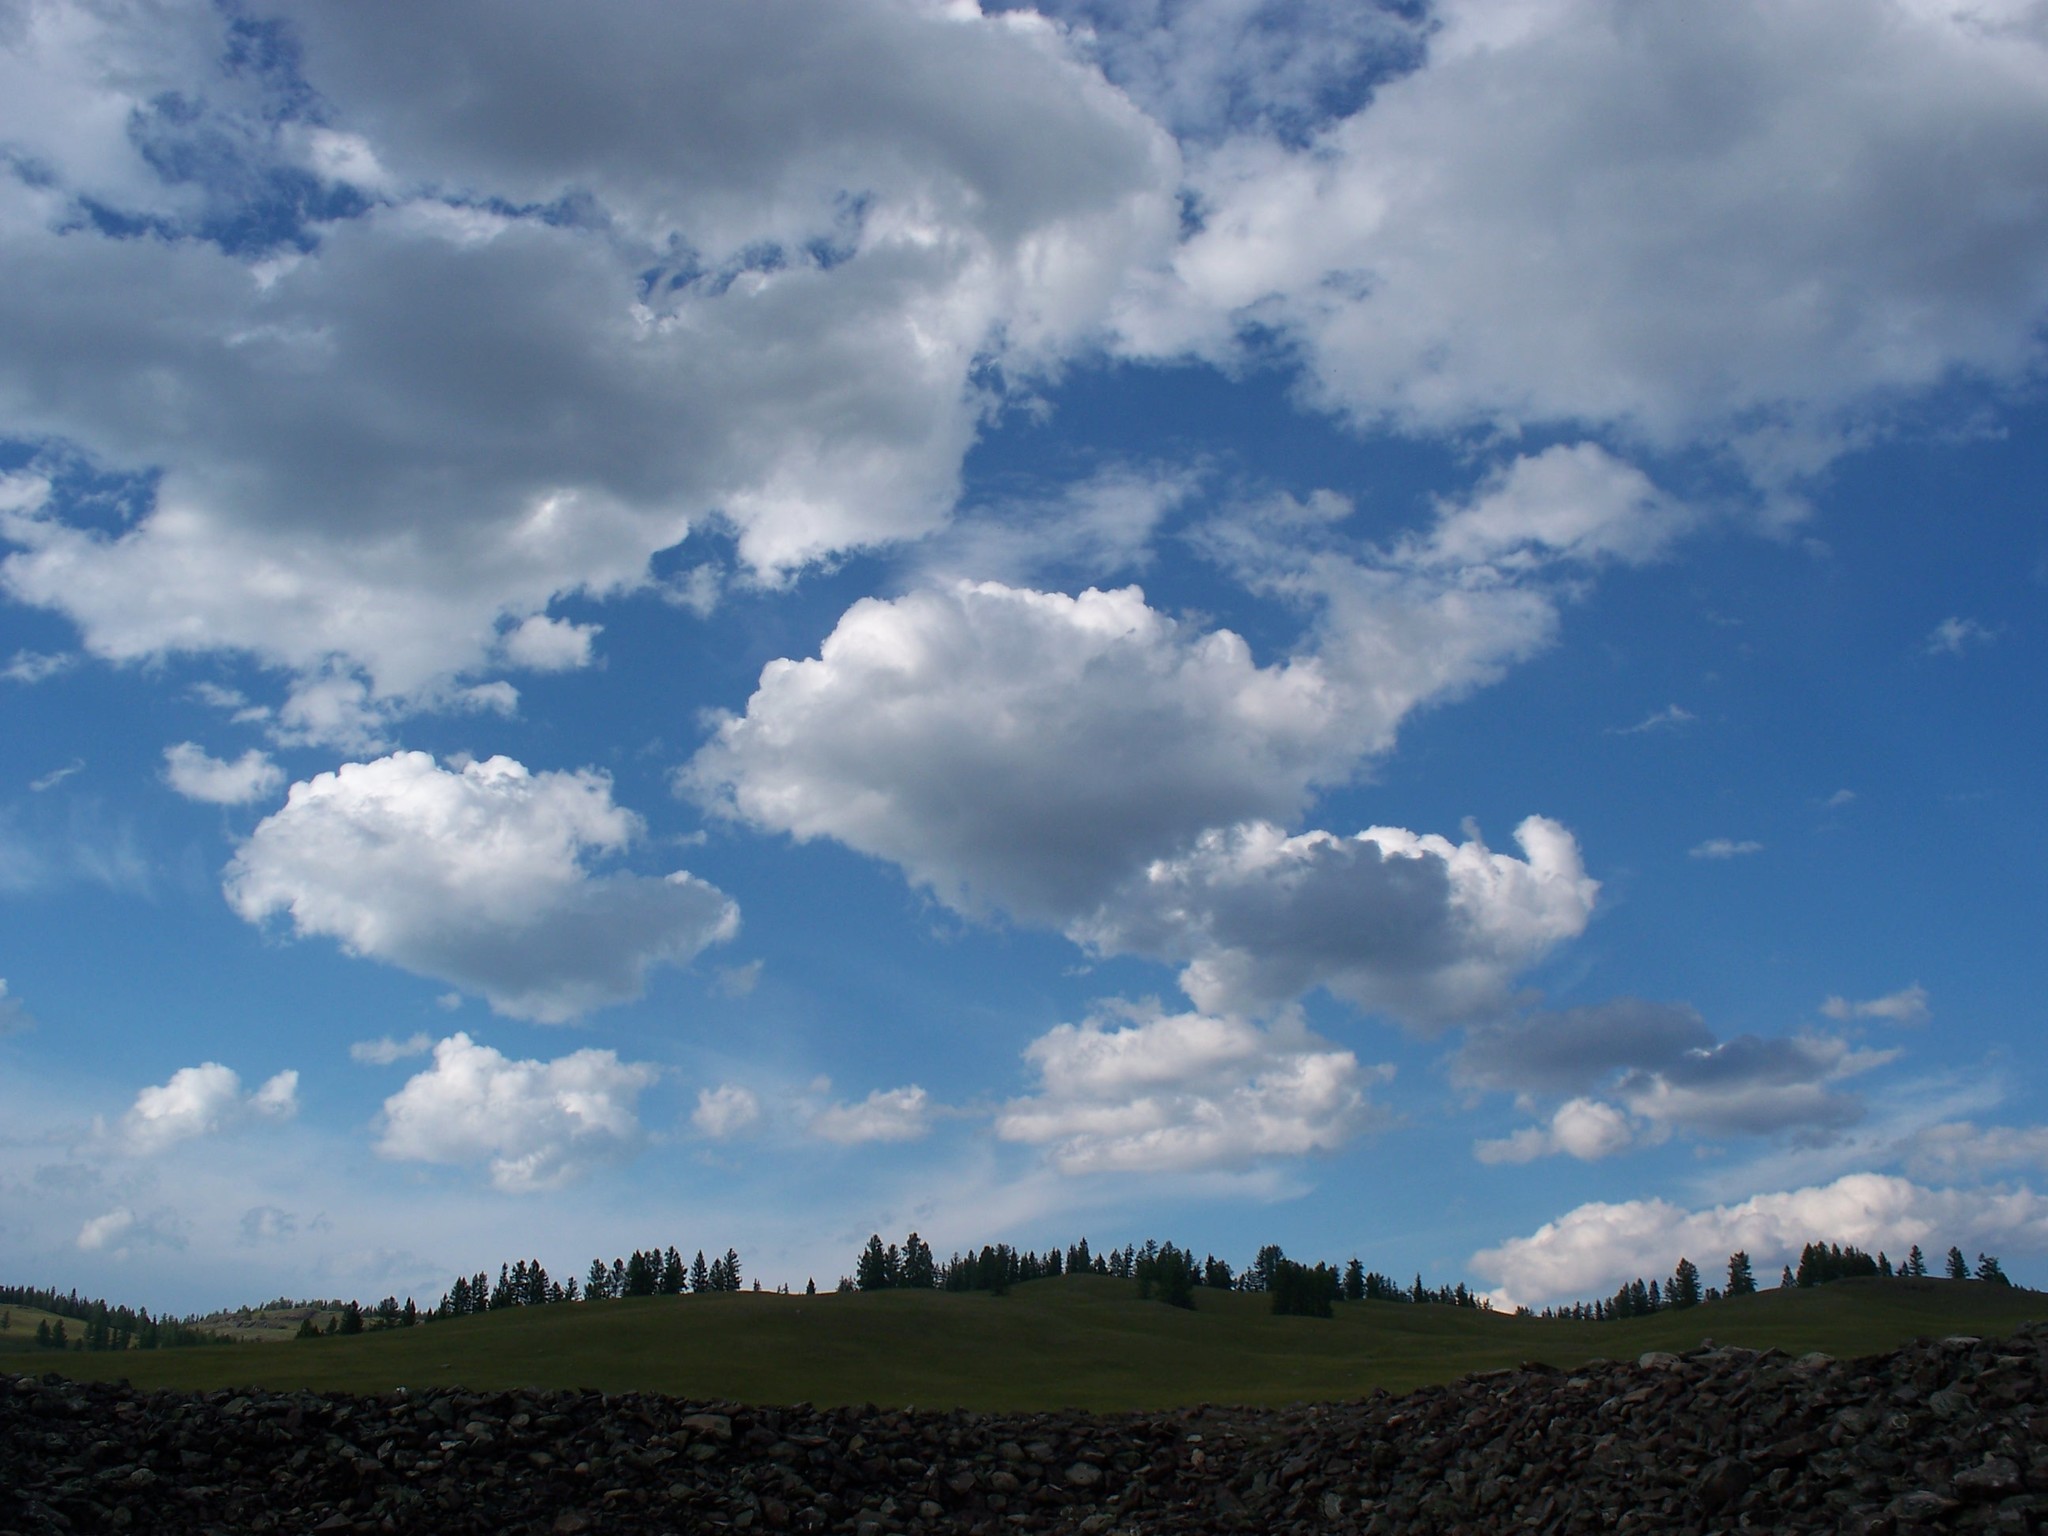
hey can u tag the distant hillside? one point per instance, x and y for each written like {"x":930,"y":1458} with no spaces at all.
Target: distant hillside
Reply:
{"x":1080,"y":1341}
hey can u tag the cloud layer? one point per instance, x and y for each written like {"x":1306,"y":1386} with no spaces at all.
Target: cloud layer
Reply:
{"x":478,"y":876}
{"x":203,"y":1101}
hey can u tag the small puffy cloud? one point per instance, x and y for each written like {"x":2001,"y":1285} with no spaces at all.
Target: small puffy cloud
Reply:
{"x":105,"y":1230}
{"x":1723,"y":848}
{"x":1570,"y":502}
{"x":195,"y":775}
{"x":1908,"y":1005}
{"x":1953,"y":636}
{"x":384,"y":1050}
{"x":725,"y":1110}
{"x":122,"y":1229}
{"x":479,"y":877}
{"x":1389,"y":920}
{"x":1159,"y":1093}
{"x":542,"y":644}
{"x":887,"y":1114}
{"x":536,"y":1124}
{"x":1594,"y":1248}
{"x":1582,"y":1128}
{"x":202,"y":1101}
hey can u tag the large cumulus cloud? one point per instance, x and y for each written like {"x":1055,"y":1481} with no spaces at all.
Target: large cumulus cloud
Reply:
{"x":1745,"y":223}
{"x":411,"y":362}
{"x":479,"y":877}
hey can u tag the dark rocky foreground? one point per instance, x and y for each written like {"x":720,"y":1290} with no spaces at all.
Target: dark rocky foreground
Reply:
{"x":1945,"y":1436}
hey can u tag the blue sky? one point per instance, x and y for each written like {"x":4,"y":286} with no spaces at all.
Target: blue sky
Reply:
{"x":1411,"y":631}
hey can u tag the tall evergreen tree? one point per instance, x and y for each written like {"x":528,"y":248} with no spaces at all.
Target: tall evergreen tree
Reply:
{"x":1684,"y":1290}
{"x":1957,"y":1268}
{"x":1354,"y":1280}
{"x":1916,"y":1263}
{"x":700,"y":1276}
{"x":1741,"y":1279}
{"x":871,"y":1270}
{"x":732,"y":1269}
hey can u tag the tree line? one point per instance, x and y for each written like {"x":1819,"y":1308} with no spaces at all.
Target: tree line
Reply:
{"x":101,"y":1327}
{"x":1163,"y":1271}
{"x":649,"y":1272}
{"x":1819,"y":1264}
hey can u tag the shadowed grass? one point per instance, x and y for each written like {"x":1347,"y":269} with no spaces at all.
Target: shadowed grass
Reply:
{"x":1078,"y":1342}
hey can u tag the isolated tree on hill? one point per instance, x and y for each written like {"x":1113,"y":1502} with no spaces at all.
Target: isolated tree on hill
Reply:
{"x":1957,"y":1268}
{"x":732,"y":1269}
{"x":1989,"y":1269}
{"x":1785,"y":1280}
{"x":1741,"y":1280}
{"x":1916,"y":1263}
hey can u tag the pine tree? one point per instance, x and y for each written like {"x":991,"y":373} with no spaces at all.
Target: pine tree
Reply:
{"x":1989,"y":1270}
{"x":1916,"y":1263}
{"x":1684,"y":1290}
{"x":1354,"y":1280}
{"x":1741,"y":1280}
{"x":1957,"y":1268}
{"x":673,"y":1276}
{"x":871,"y":1269}
{"x":732,"y":1269}
{"x":597,"y":1286}
{"x":700,"y":1277}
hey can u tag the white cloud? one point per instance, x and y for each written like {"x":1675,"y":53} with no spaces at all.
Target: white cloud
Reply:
{"x":887,"y":1114}
{"x":195,"y":775}
{"x":1554,"y":219}
{"x":542,"y":644}
{"x":14,"y":1019}
{"x":1669,"y":718}
{"x":725,"y":1110}
{"x":1570,"y":502}
{"x":384,"y":1050}
{"x":34,"y":667}
{"x":1186,"y":1092}
{"x":1961,"y":1148}
{"x":1582,"y":1128}
{"x":1389,"y":920}
{"x":1908,"y":1005}
{"x":1754,"y":1087}
{"x":1953,"y":636}
{"x":103,"y":1230}
{"x":1724,"y":848}
{"x":569,"y":325}
{"x":56,"y":776}
{"x":941,"y":730}
{"x":477,"y":877}
{"x":536,"y":1124}
{"x":1594,"y":1248}
{"x":202,"y":1101}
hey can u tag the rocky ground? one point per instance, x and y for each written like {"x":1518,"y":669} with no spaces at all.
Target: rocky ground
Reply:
{"x":1940,"y":1436}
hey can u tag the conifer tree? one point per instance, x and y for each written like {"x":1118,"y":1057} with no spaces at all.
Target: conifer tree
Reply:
{"x":700,"y":1277}
{"x":1916,"y":1263}
{"x":1354,"y":1280}
{"x":1741,"y":1280}
{"x":1957,"y":1268}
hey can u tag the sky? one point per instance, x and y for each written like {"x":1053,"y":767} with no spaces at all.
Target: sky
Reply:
{"x":1412,"y":631}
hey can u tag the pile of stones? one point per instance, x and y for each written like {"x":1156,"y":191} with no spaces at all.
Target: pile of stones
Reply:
{"x":1948,"y":1435}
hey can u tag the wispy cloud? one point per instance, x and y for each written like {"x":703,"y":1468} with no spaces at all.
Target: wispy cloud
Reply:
{"x":1724,"y":848}
{"x":1906,"y":1006}
{"x":1669,"y":718}
{"x":56,"y":776}
{"x":1952,"y":636}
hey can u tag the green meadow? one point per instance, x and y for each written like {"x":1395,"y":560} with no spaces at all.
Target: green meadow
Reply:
{"x":1076,"y":1342}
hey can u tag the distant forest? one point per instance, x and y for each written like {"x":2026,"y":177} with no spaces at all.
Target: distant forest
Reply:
{"x":100,"y":1326}
{"x":1162,"y":1271}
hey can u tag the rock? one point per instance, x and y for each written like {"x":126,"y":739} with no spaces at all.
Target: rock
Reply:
{"x":1722,"y":1483}
{"x":1996,"y":1478}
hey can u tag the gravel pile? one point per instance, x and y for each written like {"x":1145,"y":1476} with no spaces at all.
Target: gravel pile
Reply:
{"x":1939,"y":1436}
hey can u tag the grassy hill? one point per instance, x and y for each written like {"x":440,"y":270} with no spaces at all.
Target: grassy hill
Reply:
{"x":1081,"y":1341}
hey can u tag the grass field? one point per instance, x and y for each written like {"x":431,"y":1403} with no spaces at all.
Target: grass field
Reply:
{"x":1080,"y":1342}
